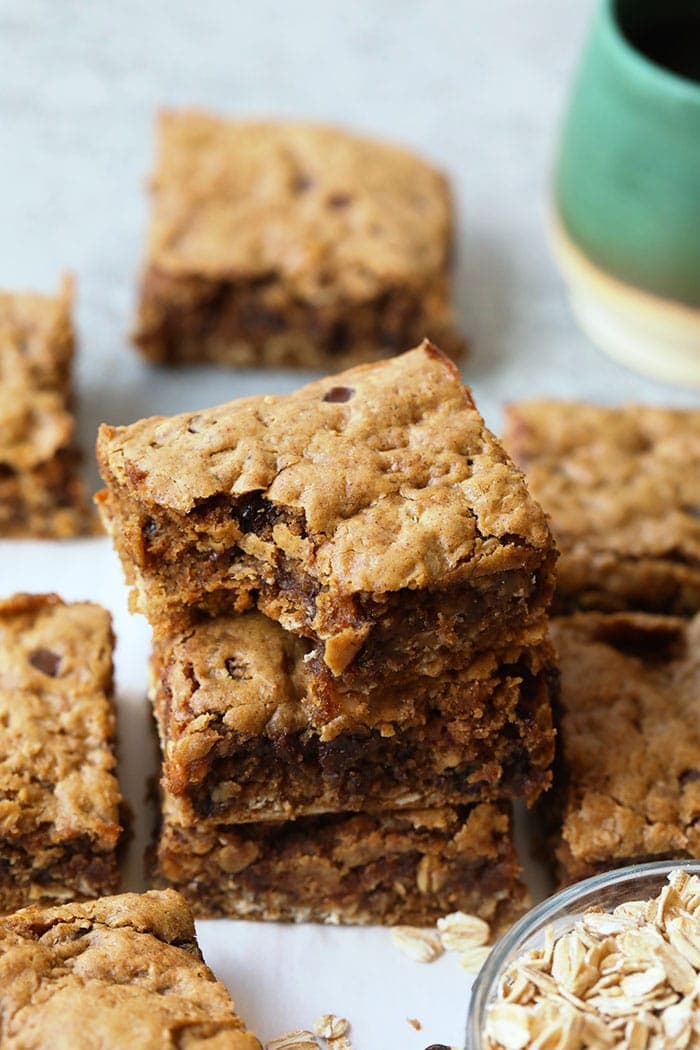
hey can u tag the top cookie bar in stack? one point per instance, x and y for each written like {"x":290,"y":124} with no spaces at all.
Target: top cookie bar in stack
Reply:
{"x":373,"y":514}
{"x":289,"y":244}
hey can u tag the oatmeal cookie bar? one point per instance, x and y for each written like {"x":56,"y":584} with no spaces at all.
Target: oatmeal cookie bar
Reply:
{"x":59,"y":796}
{"x":372,"y":513}
{"x":120,"y":972}
{"x":630,"y":736}
{"x":291,"y":245}
{"x":409,"y":866}
{"x":41,"y":493}
{"x":242,"y":741}
{"x":622,"y":488}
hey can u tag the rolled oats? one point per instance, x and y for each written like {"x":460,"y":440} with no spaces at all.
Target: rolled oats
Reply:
{"x":300,"y":1039}
{"x":420,"y":945}
{"x":625,"y":980}
{"x":340,"y":1043}
{"x":459,"y":931}
{"x":474,"y":958}
{"x":331,"y":1027}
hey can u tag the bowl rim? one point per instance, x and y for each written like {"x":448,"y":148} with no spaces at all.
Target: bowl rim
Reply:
{"x":548,"y":910}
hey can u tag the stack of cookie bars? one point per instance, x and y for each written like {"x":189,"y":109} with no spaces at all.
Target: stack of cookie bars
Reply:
{"x":348,"y":588}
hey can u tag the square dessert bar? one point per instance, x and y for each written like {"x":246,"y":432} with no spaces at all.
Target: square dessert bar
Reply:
{"x":120,"y":972}
{"x":41,"y":493}
{"x":292,"y":245}
{"x":241,"y":742}
{"x":409,"y":866}
{"x":59,"y":796}
{"x":622,"y":488}
{"x":371,"y":513}
{"x":630,"y":739}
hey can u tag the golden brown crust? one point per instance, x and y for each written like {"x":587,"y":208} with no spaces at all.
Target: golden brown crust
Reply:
{"x":41,"y":493}
{"x":119,"y":972}
{"x":622,"y":488}
{"x":630,"y":731}
{"x":237,"y":198}
{"x":291,"y":243}
{"x":59,"y":797}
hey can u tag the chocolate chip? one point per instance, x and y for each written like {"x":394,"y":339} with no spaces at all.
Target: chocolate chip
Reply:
{"x":339,"y":393}
{"x":192,"y":427}
{"x":45,"y":661}
{"x":339,"y":200}
{"x":690,"y":776}
{"x":6,"y":471}
{"x":236,"y":668}
{"x":302,"y":183}
{"x":437,"y":1046}
{"x":254,"y":513}
{"x":149,"y":527}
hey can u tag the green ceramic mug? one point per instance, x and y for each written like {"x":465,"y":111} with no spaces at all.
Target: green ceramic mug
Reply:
{"x":626,"y":223}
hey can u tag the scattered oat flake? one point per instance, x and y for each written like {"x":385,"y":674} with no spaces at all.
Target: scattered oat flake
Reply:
{"x":474,"y":958}
{"x":627,"y":980}
{"x":300,"y":1039}
{"x":414,"y":1023}
{"x":331,"y":1027}
{"x":460,"y":931}
{"x":420,"y":945}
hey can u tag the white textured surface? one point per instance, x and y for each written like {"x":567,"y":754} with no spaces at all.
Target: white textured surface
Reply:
{"x":478,"y":85}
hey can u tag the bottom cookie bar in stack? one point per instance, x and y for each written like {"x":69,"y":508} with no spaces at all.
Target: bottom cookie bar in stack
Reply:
{"x":405,"y":866}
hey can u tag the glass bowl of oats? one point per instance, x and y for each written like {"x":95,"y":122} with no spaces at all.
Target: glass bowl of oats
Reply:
{"x":613,"y":961}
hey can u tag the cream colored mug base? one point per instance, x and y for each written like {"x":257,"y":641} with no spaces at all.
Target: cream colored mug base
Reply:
{"x":655,"y":336}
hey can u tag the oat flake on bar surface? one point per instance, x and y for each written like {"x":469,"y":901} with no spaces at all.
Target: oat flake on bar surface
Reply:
{"x":625,"y":980}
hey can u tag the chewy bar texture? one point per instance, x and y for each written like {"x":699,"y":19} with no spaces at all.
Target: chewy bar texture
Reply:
{"x":409,"y":866}
{"x":292,"y":245}
{"x":622,"y":489}
{"x":59,"y":796}
{"x":630,"y":739}
{"x":371,"y":513}
{"x":120,"y":972}
{"x":41,"y":492}
{"x":241,"y":742}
